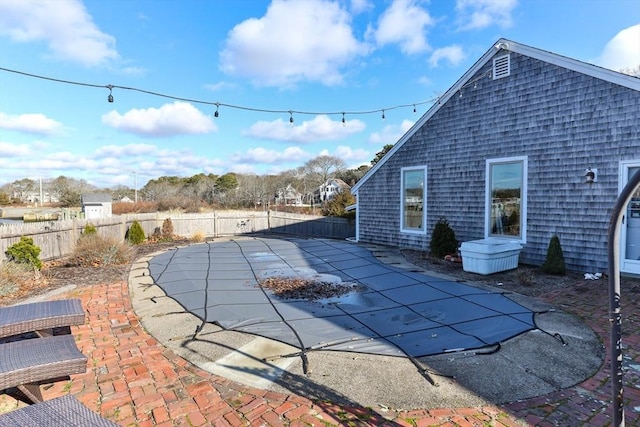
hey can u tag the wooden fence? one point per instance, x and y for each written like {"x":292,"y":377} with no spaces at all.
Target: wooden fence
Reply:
{"x":57,"y":238}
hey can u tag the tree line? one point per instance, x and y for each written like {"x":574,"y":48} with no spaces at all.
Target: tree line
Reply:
{"x":231,"y":190}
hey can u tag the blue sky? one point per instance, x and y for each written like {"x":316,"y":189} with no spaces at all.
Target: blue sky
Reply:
{"x":258,"y":60}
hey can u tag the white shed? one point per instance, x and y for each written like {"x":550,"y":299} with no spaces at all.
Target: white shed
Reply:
{"x":96,"y":205}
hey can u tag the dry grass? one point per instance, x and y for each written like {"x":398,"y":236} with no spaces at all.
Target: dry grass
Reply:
{"x":198,"y":236}
{"x":14,"y":274}
{"x":94,"y":250}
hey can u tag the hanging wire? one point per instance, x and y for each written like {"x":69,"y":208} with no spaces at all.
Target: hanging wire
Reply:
{"x":240,"y":107}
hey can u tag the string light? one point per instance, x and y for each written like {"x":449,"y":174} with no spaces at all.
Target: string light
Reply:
{"x":344,"y":122}
{"x":239,"y":107}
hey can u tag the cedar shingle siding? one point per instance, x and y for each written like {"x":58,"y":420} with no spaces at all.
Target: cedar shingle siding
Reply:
{"x":563,"y":120}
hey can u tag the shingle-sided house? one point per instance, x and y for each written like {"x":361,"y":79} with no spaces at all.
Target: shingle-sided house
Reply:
{"x":96,"y":205}
{"x":329,"y":189}
{"x":525,"y":145}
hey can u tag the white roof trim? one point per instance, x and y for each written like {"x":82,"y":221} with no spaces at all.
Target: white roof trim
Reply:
{"x":511,"y":46}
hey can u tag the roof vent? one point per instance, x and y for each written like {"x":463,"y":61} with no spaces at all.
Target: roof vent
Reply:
{"x":501,"y":67}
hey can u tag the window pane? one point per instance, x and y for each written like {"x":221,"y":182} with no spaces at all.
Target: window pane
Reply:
{"x":506,"y":199}
{"x":413,"y":184}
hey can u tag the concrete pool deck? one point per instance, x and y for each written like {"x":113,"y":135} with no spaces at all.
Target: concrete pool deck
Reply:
{"x":563,"y":352}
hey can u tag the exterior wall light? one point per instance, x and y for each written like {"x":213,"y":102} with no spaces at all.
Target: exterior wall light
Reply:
{"x":590,"y":176}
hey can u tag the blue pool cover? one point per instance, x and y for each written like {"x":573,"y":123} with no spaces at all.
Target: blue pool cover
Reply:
{"x":394,"y":312}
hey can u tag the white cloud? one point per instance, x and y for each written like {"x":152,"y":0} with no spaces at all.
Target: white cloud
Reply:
{"x":64,"y":25}
{"x":37,"y":124}
{"x":360,"y":6}
{"x":126,"y":150}
{"x":479,"y":14}
{"x":264,"y":155}
{"x":349,"y":155}
{"x":178,"y":118}
{"x":14,"y":150}
{"x":391,"y":134}
{"x":453,"y":54}
{"x":321,"y":128}
{"x":295,"y":41}
{"x":622,"y":51}
{"x":404,"y":23}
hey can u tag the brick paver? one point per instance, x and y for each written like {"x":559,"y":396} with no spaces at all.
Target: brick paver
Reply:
{"x":135,"y":381}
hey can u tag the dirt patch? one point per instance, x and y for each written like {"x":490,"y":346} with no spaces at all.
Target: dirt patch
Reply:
{"x":525,"y":280}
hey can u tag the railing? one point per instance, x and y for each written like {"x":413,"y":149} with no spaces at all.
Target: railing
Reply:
{"x":58,"y":238}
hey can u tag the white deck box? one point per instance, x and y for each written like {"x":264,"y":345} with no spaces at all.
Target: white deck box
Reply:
{"x":488,"y":256}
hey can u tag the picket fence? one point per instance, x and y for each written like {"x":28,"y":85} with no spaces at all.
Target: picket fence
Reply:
{"x":57,"y":239}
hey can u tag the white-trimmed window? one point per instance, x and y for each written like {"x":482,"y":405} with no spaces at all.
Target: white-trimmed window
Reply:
{"x":413,"y":203}
{"x":506,"y":198}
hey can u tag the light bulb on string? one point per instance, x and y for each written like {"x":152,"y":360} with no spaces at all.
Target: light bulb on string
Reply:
{"x":344,"y":122}
{"x":110,"y":97}
{"x":414,"y":108}
{"x":383,"y":117}
{"x":216,"y":114}
{"x":291,"y":118}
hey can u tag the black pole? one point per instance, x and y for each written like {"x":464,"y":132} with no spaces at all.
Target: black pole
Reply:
{"x":615,"y":316}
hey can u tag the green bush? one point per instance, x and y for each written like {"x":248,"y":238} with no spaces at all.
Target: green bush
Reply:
{"x":89,"y":229}
{"x":25,"y":252}
{"x":135,"y":235}
{"x":337,"y":206}
{"x":443,"y":239}
{"x":554,"y":263}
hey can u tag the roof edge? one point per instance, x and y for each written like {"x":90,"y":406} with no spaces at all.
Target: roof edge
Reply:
{"x":508,"y":46}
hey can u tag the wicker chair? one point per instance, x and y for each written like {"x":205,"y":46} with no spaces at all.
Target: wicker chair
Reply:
{"x":40,"y":317}
{"x":26,"y":363}
{"x":62,"y":411}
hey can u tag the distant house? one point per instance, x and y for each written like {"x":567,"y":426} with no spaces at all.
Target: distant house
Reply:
{"x":330,"y":189}
{"x":525,"y":145}
{"x":96,"y":205}
{"x":289,"y":196}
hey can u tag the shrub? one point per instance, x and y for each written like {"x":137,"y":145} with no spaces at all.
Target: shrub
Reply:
{"x":13,"y":274}
{"x":135,"y":234}
{"x":443,"y":239}
{"x":93,"y":250}
{"x":89,"y":229}
{"x":198,"y":236}
{"x":25,"y":252}
{"x":167,"y":229}
{"x":337,"y":205}
{"x":554,"y":263}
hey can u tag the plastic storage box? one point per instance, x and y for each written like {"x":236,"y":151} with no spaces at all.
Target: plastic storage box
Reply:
{"x":489,"y":256}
